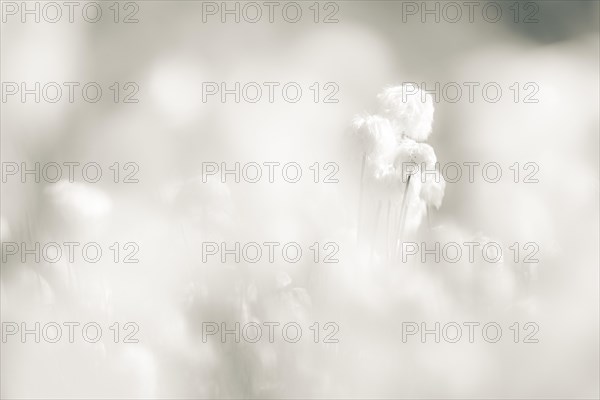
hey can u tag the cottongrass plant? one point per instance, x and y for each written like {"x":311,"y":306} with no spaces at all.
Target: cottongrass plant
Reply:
{"x":398,"y":168}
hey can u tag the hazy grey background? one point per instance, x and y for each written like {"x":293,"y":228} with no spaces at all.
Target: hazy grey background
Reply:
{"x":170,"y":132}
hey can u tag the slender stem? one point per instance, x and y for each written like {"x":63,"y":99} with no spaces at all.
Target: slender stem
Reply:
{"x":374,"y":235}
{"x":387,"y":230}
{"x":360,"y":196}
{"x":403,"y":210}
{"x":428,"y":211}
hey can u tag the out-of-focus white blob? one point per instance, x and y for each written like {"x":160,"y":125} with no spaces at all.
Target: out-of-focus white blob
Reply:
{"x":140,"y":367}
{"x":409,"y":108}
{"x":176,"y":89}
{"x":293,"y":303}
{"x":96,"y":294}
{"x":173,"y":335}
{"x":283,"y":280}
{"x":481,"y":280}
{"x":201,"y":202}
{"x":25,"y":291}
{"x":448,"y":362}
{"x":297,"y":303}
{"x":494,"y":281}
{"x":80,"y":201}
{"x":193,"y":291}
{"x":4,"y":229}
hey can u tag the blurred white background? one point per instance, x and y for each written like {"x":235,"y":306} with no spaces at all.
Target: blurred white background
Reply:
{"x":169,"y":53}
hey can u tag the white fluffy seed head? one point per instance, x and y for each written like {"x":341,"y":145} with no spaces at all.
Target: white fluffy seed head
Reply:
{"x":419,"y":159}
{"x":425,"y":156}
{"x":410,"y":110}
{"x":391,"y":143}
{"x":411,"y":157}
{"x":406,"y":152}
{"x":375,"y":134}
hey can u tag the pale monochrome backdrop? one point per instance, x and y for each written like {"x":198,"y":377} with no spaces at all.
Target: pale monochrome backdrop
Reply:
{"x":171,"y":131}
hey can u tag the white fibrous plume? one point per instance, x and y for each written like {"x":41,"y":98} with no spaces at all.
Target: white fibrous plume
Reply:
{"x":419,"y":160}
{"x":378,"y":141}
{"x":409,"y":109}
{"x":398,"y":169}
{"x":376,"y":135}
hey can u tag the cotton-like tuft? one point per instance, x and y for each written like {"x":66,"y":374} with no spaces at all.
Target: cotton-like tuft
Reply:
{"x":411,"y":157}
{"x":419,"y":159}
{"x":410,"y":110}
{"x":375,"y":134}
{"x":378,"y":140}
